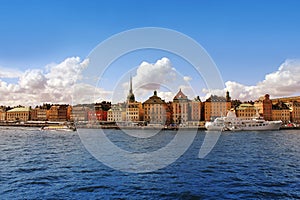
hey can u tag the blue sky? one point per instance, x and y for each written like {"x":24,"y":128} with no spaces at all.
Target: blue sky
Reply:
{"x":246,"y":39}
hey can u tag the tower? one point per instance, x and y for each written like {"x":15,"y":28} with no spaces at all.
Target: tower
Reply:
{"x":130,"y":97}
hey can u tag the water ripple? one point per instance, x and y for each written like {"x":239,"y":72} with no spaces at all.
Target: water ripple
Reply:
{"x":250,"y":165}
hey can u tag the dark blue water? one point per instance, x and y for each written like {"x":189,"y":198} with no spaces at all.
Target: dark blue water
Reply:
{"x":55,"y":165}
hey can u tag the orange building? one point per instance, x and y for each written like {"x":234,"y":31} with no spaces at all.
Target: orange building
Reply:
{"x":216,"y":106}
{"x":57,"y":113}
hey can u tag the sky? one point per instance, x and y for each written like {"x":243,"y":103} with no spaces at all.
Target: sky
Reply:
{"x":45,"y":47}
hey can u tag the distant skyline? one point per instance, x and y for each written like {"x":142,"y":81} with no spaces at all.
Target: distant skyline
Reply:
{"x":44,"y":45}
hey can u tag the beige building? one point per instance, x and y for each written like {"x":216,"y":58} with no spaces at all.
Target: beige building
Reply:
{"x":117,"y":113}
{"x":156,"y":110}
{"x":195,"y":106}
{"x":79,"y":113}
{"x":39,"y":114}
{"x":180,"y":107}
{"x":2,"y":115}
{"x":216,"y":106}
{"x":245,"y":110}
{"x":18,"y":114}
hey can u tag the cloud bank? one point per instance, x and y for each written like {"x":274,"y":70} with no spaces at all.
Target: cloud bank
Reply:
{"x":54,"y":84}
{"x":283,"y":82}
{"x":57,"y":83}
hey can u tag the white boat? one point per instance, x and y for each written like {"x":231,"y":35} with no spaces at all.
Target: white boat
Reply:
{"x":58,"y":128}
{"x":233,"y":123}
{"x":217,"y":125}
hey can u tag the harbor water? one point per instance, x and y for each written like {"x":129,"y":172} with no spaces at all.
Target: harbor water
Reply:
{"x":38,"y":164}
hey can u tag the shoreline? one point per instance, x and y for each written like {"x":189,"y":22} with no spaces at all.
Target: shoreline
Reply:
{"x":90,"y":126}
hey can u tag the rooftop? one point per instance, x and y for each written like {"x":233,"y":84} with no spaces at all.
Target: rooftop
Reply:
{"x":19,"y":110}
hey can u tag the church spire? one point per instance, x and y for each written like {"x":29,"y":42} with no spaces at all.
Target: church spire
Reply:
{"x":130,"y":89}
{"x":130,"y":97}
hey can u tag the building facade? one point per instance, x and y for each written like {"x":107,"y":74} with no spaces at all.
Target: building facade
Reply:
{"x":156,"y":110}
{"x":18,"y":114}
{"x":79,"y":113}
{"x":216,"y":106}
{"x":117,"y":113}
{"x":195,"y":106}
{"x":58,"y":113}
{"x":294,"y":107}
{"x":180,"y":108}
{"x":281,"y":111}
{"x":245,"y":110}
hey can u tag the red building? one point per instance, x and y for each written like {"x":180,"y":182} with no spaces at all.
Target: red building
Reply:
{"x":97,"y":115}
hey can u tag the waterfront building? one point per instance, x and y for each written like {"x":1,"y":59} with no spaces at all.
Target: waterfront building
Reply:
{"x":57,"y":113}
{"x":79,"y":113}
{"x":180,"y":107}
{"x":294,"y":111}
{"x":99,"y":113}
{"x":196,"y":105}
{"x":38,"y":114}
{"x":18,"y":114}
{"x":216,"y":106}
{"x":281,"y":111}
{"x":264,"y":106}
{"x":2,"y":114}
{"x":245,"y":110}
{"x":117,"y":113}
{"x":156,"y":110}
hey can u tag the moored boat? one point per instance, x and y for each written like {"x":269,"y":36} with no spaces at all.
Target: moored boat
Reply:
{"x":58,"y":128}
{"x":233,"y":123}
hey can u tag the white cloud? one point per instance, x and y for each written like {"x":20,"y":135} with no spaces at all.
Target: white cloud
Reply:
{"x":283,"y":82}
{"x":33,"y":80}
{"x":55,"y":84}
{"x":187,"y":78}
{"x":9,"y":73}
{"x":160,"y":76}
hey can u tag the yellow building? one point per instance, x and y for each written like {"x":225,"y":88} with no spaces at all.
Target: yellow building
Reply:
{"x":245,"y":110}
{"x":18,"y":114}
{"x":216,"y":106}
{"x":281,"y":111}
{"x":134,"y":111}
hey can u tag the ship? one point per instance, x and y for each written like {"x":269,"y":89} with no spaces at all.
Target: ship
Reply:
{"x":233,"y":123}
